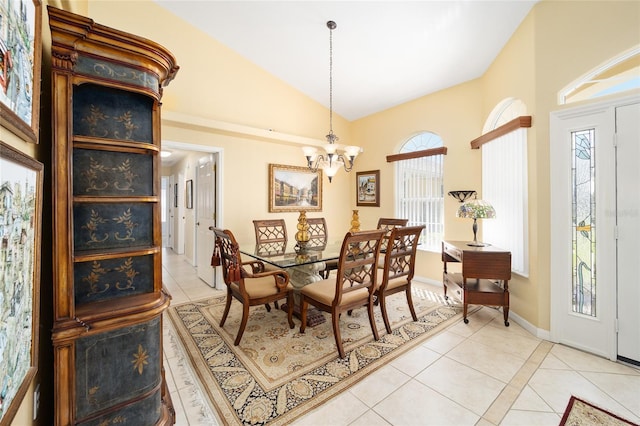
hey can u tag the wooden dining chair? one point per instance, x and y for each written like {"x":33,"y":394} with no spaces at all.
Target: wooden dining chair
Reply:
{"x":388,"y":224}
{"x":249,"y":288}
{"x":353,"y":286}
{"x":273,"y":233}
{"x":319,"y":234}
{"x":399,"y":264}
{"x":270,"y":231}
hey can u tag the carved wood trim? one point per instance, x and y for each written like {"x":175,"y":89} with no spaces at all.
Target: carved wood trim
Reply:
{"x":515,"y":124}
{"x":417,"y":154}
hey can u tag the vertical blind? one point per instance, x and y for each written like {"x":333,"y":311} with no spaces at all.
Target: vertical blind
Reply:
{"x":420,"y":197}
{"x":504,"y":185}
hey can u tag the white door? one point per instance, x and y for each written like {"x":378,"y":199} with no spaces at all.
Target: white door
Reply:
{"x":205,"y":217}
{"x":164,"y":205}
{"x":628,"y":216}
{"x":583,"y":284}
{"x":171,"y":202}
{"x":179,"y":231}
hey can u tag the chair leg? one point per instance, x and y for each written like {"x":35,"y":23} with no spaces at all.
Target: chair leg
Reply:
{"x":243,"y":323}
{"x":268,"y":307}
{"x":290,"y":308}
{"x":226,"y":308}
{"x":335,"y":319}
{"x":410,"y":302}
{"x":303,"y":313}
{"x":383,"y":307}
{"x":372,"y":321}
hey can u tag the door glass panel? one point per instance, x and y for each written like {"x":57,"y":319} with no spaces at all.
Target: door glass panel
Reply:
{"x":583,"y":222}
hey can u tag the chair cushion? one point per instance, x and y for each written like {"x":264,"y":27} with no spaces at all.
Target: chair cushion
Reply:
{"x":260,"y":287}
{"x":324,"y":291}
{"x":397,"y":282}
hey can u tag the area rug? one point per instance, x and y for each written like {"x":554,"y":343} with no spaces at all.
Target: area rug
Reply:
{"x":583,"y":413}
{"x":278,"y":374}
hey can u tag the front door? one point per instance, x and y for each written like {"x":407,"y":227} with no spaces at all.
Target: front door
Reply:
{"x":628,"y":217}
{"x":587,"y":266}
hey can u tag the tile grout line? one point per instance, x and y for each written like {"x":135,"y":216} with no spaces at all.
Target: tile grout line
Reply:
{"x":502,"y":404}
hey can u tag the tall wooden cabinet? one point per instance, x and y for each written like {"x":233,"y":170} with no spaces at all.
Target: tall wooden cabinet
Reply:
{"x":108,"y":296}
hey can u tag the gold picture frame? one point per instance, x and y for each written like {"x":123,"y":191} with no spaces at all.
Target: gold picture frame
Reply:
{"x":20,"y":72}
{"x":21,"y":207}
{"x":368,"y":188}
{"x":293,"y":189}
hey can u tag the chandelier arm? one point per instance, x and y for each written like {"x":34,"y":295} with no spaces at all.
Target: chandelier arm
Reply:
{"x":314,"y":167}
{"x":347,"y":162}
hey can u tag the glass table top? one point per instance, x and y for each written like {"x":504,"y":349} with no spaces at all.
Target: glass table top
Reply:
{"x":289,"y":255}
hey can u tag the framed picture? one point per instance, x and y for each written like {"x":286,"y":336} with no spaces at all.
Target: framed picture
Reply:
{"x":20,"y":213}
{"x":368,"y":186}
{"x":189,"y":194}
{"x":293,"y":189}
{"x":20,"y":67}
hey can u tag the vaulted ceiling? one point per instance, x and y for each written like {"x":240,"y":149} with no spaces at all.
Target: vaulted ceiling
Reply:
{"x":385,"y":53}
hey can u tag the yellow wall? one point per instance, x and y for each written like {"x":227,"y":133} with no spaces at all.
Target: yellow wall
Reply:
{"x":557,"y":42}
{"x":549,"y":49}
{"x":216,"y":85}
{"x":452,"y":114}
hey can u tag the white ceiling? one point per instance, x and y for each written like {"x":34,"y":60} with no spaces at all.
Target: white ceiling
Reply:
{"x":385,"y":53}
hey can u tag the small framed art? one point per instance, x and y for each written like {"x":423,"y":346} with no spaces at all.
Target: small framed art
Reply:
{"x":368,"y":188}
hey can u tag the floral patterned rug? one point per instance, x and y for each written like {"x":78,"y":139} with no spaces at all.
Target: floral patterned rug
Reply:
{"x":277,"y":374}
{"x":582,"y":413}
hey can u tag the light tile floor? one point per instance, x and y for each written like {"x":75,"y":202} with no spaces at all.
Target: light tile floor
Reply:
{"x":481,"y":373}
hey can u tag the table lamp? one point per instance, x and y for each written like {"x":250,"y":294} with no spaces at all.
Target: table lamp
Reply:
{"x":476,"y":209}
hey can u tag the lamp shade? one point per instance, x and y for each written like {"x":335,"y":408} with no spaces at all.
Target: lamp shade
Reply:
{"x":476,"y":209}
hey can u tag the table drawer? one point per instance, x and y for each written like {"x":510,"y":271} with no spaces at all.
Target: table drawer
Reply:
{"x":452,"y":251}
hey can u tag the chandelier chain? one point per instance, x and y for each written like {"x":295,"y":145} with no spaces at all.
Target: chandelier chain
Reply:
{"x":331,"y":80}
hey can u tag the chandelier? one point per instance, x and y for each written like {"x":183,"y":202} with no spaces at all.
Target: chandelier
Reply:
{"x":334,"y":155}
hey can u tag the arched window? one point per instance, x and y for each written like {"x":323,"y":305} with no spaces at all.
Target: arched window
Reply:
{"x":617,"y":75}
{"x":419,"y":187}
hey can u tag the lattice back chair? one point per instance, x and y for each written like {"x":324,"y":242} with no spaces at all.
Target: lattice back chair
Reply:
{"x":319,"y":234}
{"x":388,"y":224}
{"x":249,"y":288}
{"x":399,"y":265}
{"x":353,"y":286}
{"x":271,"y":234}
{"x":270,"y":231}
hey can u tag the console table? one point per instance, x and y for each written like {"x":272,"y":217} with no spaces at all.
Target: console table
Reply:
{"x":485,"y":275}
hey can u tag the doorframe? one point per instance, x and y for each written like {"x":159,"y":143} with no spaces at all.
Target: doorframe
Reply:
{"x":558,"y":255}
{"x":219,"y":185}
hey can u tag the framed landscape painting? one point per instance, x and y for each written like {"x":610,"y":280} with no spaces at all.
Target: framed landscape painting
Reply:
{"x":20,"y":51}
{"x":20,"y":213}
{"x":368,"y":188}
{"x":293,"y":189}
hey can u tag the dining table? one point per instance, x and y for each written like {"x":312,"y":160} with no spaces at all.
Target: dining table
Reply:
{"x":303,"y":264}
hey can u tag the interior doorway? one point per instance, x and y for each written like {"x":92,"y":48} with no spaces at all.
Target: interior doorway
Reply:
{"x":203,"y":166}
